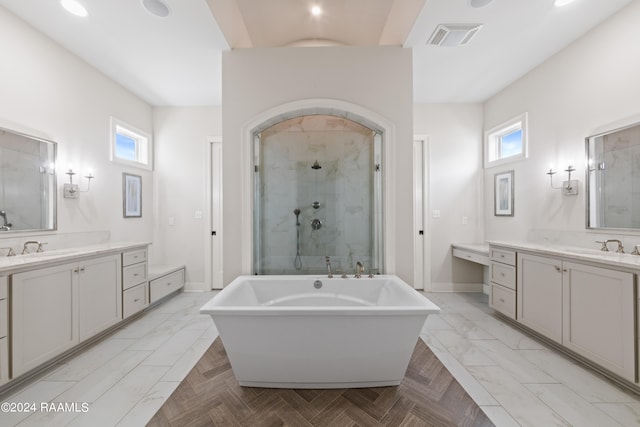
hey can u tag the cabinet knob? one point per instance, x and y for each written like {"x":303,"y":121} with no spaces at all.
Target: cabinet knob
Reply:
{"x":558,"y":269}
{"x":136,"y":300}
{"x":501,"y":299}
{"x":502,"y":274}
{"x":169,"y":284}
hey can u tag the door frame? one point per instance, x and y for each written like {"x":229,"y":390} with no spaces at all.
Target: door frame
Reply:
{"x":421,"y":241}
{"x":213,"y":250}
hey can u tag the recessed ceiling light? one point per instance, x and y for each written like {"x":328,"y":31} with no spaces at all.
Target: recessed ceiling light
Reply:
{"x":156,"y":7}
{"x":74,"y":7}
{"x":316,"y":10}
{"x":479,"y":3}
{"x":560,"y":3}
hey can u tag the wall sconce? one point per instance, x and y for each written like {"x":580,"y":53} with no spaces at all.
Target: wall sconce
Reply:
{"x":569,"y":187}
{"x":71,"y":190}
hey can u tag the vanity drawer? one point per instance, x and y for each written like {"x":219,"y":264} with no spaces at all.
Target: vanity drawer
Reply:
{"x":503,"y":300}
{"x":504,"y":256}
{"x":504,"y":275}
{"x":165,"y":285}
{"x":135,"y":299}
{"x":134,"y":257}
{"x":134,"y":275}
{"x":471,"y":256}
{"x":3,"y":318}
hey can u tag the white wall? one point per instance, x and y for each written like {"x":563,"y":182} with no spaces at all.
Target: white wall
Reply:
{"x":592,"y":83}
{"x":182,"y":138}
{"x":256,"y":80}
{"x":454,"y":134}
{"x":48,"y":92}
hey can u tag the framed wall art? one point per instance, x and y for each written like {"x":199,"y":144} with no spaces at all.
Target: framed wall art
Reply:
{"x":503,"y":193}
{"x":132,"y":195}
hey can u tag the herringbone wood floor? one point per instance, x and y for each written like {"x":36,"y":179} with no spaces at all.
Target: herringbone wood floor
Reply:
{"x":211,"y":396}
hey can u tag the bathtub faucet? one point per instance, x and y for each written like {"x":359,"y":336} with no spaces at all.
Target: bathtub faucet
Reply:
{"x":359,"y":270}
{"x":328,"y":261}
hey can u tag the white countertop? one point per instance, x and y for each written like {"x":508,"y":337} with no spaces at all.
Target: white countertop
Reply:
{"x":479,"y":248}
{"x":576,"y":253}
{"x":39,"y":259}
{"x":159,"y":270}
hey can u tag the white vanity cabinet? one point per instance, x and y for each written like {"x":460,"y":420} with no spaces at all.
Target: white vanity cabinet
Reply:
{"x":55,"y":308}
{"x":539,"y":294}
{"x":599,"y":316}
{"x":135,"y":295}
{"x":44,"y":315}
{"x":588,"y":309}
{"x":502,"y":273}
{"x":99,"y":294}
{"x":4,"y":331}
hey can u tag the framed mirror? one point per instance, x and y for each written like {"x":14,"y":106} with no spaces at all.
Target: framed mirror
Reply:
{"x":613,"y":179}
{"x":27,"y":183}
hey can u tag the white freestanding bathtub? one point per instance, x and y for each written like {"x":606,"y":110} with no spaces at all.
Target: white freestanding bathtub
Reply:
{"x":316,"y":332}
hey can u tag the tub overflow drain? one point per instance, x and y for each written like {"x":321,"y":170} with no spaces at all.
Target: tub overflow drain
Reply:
{"x":317,"y":284}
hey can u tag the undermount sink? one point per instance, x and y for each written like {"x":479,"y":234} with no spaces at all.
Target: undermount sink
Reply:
{"x":53,"y":252}
{"x":594,"y":252}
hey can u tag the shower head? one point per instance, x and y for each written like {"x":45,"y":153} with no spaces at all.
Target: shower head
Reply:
{"x":296,"y":211}
{"x":316,"y":166}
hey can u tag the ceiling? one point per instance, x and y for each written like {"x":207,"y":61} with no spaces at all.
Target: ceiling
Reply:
{"x":176,"y":60}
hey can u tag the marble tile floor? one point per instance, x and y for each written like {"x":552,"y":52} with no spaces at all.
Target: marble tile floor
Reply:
{"x":516,"y":380}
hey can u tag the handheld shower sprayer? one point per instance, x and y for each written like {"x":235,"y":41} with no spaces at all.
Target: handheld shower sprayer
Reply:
{"x":297,"y":261}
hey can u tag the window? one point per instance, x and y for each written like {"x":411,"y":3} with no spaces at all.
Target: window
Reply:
{"x":129,"y":145}
{"x":506,"y":143}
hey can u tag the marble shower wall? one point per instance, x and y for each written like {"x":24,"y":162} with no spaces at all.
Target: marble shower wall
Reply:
{"x":343,"y":188}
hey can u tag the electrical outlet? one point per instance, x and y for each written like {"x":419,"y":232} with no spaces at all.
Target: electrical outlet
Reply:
{"x":465,"y":220}
{"x":197,"y":215}
{"x":435,"y":214}
{"x":172,"y":220}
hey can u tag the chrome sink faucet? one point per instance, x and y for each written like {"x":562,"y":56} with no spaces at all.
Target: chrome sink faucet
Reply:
{"x":10,"y":251}
{"x":25,"y":248}
{"x":604,"y":247}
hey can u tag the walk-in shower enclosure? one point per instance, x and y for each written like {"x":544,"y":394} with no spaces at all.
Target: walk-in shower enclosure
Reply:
{"x":317,"y":193}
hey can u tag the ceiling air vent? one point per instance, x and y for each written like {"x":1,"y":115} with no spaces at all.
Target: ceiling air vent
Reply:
{"x":453,"y":34}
